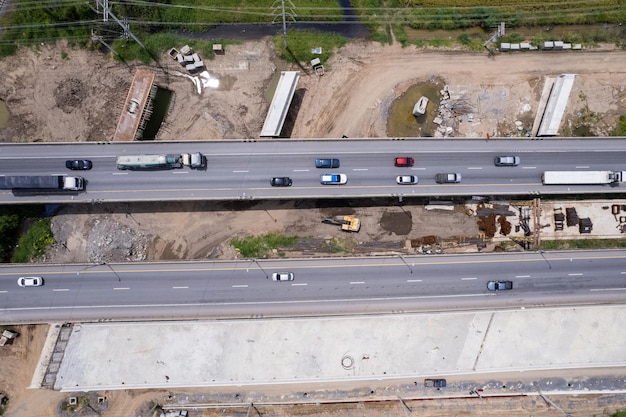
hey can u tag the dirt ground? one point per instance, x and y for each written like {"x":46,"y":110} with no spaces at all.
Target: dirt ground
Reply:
{"x":56,"y":93}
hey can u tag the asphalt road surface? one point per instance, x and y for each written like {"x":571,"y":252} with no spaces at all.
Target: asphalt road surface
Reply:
{"x":242,"y":170}
{"x":244,"y":288}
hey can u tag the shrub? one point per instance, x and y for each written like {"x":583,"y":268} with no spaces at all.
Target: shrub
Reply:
{"x":34,"y":242}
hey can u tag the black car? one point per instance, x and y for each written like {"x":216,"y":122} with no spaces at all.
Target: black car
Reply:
{"x":281,"y":182}
{"x":78,"y":164}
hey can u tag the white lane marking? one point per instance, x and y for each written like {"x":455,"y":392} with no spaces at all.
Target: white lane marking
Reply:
{"x":120,"y":173}
{"x":2,"y":292}
{"x":180,"y":172}
{"x":522,"y":276}
{"x":301,"y":284}
{"x":240,"y":172}
{"x":622,"y":273}
{"x":582,"y":167}
{"x":529,"y":167}
{"x":574,"y":275}
{"x":356,"y":282}
{"x":413,"y":280}
{"x":474,"y":167}
{"x":180,"y":288}
{"x":418,"y":169}
{"x":121,"y":288}
{"x":608,"y":289}
{"x":301,"y":170}
{"x":468,"y":279}
{"x":240,"y":286}
{"x":360,"y":169}
{"x":61,"y":289}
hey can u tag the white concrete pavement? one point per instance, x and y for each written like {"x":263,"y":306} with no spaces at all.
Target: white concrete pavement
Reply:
{"x":233,"y":353}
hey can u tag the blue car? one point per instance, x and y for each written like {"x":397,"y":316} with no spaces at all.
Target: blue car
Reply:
{"x":327,"y":163}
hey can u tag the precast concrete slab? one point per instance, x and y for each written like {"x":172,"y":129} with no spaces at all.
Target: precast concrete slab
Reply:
{"x":272,"y":351}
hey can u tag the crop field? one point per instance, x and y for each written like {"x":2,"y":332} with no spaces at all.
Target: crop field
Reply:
{"x":454,"y":14}
{"x":532,"y":3}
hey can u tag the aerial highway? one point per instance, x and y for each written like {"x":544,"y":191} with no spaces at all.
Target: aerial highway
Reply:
{"x":244,"y":288}
{"x":241,"y":170}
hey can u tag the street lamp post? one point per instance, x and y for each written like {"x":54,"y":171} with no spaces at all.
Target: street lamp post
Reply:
{"x":112,"y":270}
{"x":407,"y":265}
{"x":259,"y":265}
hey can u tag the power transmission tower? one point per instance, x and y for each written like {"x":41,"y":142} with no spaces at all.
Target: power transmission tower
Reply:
{"x":284,"y":14}
{"x":106,"y":12}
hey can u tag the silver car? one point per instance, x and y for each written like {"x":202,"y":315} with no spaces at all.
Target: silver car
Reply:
{"x":499,"y":285}
{"x":282,"y":276}
{"x":506,"y":161}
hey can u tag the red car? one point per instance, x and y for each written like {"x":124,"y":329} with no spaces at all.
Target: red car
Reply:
{"x":404,"y":161}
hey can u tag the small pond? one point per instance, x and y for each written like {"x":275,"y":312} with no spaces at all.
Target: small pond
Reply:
{"x":402,"y":123}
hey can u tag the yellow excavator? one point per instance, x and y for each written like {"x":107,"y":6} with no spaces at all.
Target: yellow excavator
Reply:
{"x":347,"y":223}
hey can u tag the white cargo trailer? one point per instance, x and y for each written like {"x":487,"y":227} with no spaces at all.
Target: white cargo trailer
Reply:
{"x":582,"y":177}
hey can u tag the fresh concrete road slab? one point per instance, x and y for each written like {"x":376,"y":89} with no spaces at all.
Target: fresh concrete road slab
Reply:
{"x":312,"y":350}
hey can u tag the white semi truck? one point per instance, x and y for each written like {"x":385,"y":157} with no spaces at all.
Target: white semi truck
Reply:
{"x":582,"y":177}
{"x":41,"y":183}
{"x":193,"y":160}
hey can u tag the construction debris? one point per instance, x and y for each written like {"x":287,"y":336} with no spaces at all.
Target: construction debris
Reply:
{"x":7,"y":337}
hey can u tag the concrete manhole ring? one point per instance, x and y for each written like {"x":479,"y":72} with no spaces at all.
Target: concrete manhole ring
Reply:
{"x":347,"y":362}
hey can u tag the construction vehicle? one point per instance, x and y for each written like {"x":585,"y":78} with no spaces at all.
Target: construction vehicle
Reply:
{"x":41,"y":183}
{"x":582,"y":177}
{"x":192,"y":160}
{"x":347,"y":223}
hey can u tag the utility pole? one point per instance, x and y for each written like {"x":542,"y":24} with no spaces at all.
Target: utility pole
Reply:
{"x":284,"y":14}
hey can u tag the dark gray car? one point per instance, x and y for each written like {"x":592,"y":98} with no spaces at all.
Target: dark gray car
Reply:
{"x":281,"y":182}
{"x":435,"y":383}
{"x":78,"y":164}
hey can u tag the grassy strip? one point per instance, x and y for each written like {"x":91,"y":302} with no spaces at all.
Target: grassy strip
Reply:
{"x":129,"y":50}
{"x":299,"y":44}
{"x":620,"y":130}
{"x":34,"y":242}
{"x":260,"y":246}
{"x":583,"y":244}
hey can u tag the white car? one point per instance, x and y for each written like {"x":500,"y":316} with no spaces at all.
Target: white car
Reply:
{"x":333,"y":179}
{"x":282,"y":276}
{"x":407,"y":179}
{"x":30,"y":281}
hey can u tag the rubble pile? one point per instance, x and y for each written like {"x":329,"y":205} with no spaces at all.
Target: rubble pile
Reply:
{"x":451,"y":108}
{"x":110,"y":241}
